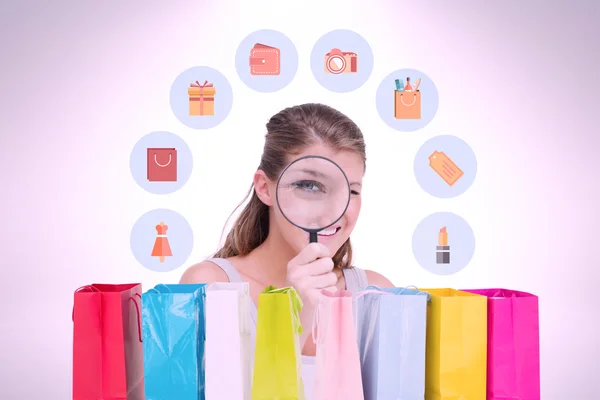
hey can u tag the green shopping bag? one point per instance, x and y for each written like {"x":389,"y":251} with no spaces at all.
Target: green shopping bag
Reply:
{"x":277,"y":358}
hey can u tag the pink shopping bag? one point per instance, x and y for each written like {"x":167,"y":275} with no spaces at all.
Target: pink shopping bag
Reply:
{"x":513,"y":366}
{"x":338,"y":373}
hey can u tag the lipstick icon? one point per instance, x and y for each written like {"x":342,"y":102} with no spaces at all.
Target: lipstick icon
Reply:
{"x":442,"y":253}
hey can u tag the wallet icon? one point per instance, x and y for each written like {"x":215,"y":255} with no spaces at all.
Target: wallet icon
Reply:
{"x":264,"y":60}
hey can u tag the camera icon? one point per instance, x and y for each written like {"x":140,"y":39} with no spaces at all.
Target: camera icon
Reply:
{"x":341,"y":62}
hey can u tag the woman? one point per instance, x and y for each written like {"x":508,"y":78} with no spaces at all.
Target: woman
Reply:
{"x":263,"y":248}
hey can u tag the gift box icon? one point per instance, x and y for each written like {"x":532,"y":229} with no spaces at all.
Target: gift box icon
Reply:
{"x":202,"y":99}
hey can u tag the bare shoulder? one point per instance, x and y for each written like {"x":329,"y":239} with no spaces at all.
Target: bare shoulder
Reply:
{"x":376,"y":279}
{"x":204,"y":272}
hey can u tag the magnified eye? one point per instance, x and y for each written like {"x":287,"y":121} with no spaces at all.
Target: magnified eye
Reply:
{"x":308,"y":186}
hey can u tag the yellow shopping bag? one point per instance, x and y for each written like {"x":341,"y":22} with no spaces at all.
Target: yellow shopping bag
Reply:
{"x":277,"y":358}
{"x":456,"y":352}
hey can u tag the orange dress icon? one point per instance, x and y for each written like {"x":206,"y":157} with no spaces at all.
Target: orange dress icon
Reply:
{"x":161,"y":248}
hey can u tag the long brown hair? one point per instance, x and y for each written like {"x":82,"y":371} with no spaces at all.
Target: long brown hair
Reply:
{"x":289,"y":132}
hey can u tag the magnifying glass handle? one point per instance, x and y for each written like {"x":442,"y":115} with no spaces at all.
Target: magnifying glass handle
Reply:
{"x":313,"y":237}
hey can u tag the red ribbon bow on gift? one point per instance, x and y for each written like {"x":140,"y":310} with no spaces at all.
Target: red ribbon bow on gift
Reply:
{"x":197,"y":84}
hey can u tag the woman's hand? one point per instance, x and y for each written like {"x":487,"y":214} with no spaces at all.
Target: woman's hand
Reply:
{"x":310,"y":272}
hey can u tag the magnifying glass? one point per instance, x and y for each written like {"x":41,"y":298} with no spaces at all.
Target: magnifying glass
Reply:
{"x":313,"y":193}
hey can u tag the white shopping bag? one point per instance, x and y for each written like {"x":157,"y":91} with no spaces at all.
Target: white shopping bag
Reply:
{"x":229,"y":343}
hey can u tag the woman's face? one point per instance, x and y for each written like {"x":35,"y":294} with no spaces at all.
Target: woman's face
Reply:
{"x":308,"y":204}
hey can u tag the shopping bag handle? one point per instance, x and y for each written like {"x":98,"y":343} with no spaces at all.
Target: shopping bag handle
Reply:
{"x":375,"y":290}
{"x":411,"y":104}
{"x":243,"y":310}
{"x":131,"y":298}
{"x":160,"y":284}
{"x":154,"y":290}
{"x":139,"y":315}
{"x":79,"y":289}
{"x":378,"y":290}
{"x":315,"y":322}
{"x":87,"y":287}
{"x":296,"y":308}
{"x":162,"y":165}
{"x":297,"y":304}
{"x":414,"y":288}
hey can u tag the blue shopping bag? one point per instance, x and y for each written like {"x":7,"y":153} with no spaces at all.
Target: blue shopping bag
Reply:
{"x":173,"y":329}
{"x":391,"y":325}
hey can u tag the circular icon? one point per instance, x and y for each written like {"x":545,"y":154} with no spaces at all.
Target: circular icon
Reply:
{"x":445,"y":166}
{"x":162,"y":240}
{"x":313,"y":193}
{"x":266,"y":61}
{"x":341,"y":61}
{"x":443,"y":243}
{"x":161,"y":162}
{"x":407,"y":100}
{"x":201,"y":97}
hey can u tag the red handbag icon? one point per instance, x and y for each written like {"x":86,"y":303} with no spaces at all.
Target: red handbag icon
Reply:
{"x":162,"y":165}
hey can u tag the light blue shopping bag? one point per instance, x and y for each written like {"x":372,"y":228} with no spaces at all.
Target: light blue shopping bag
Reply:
{"x":173,"y":329}
{"x":391,"y":325}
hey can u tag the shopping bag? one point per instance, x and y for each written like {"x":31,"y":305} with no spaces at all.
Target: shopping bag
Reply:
{"x":456,"y":347}
{"x":161,"y":164}
{"x":513,"y":363}
{"x":407,"y":105}
{"x":108,"y":358}
{"x":338,"y":375}
{"x":229,"y":344}
{"x":173,"y":331}
{"x":391,"y":325}
{"x":277,"y":358}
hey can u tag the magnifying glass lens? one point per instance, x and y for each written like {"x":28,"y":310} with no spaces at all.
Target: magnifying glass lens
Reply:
{"x":313,"y":193}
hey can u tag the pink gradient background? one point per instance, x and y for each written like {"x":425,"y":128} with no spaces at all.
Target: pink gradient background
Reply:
{"x":83,"y":81}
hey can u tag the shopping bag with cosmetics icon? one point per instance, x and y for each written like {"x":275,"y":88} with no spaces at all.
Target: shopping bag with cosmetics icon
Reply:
{"x":174,"y":333}
{"x":229,"y":342}
{"x":513,"y":363}
{"x":456,"y":346}
{"x":277,"y":358}
{"x":407,"y":100}
{"x":338,"y":374}
{"x":108,"y":361}
{"x":391,"y":325}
